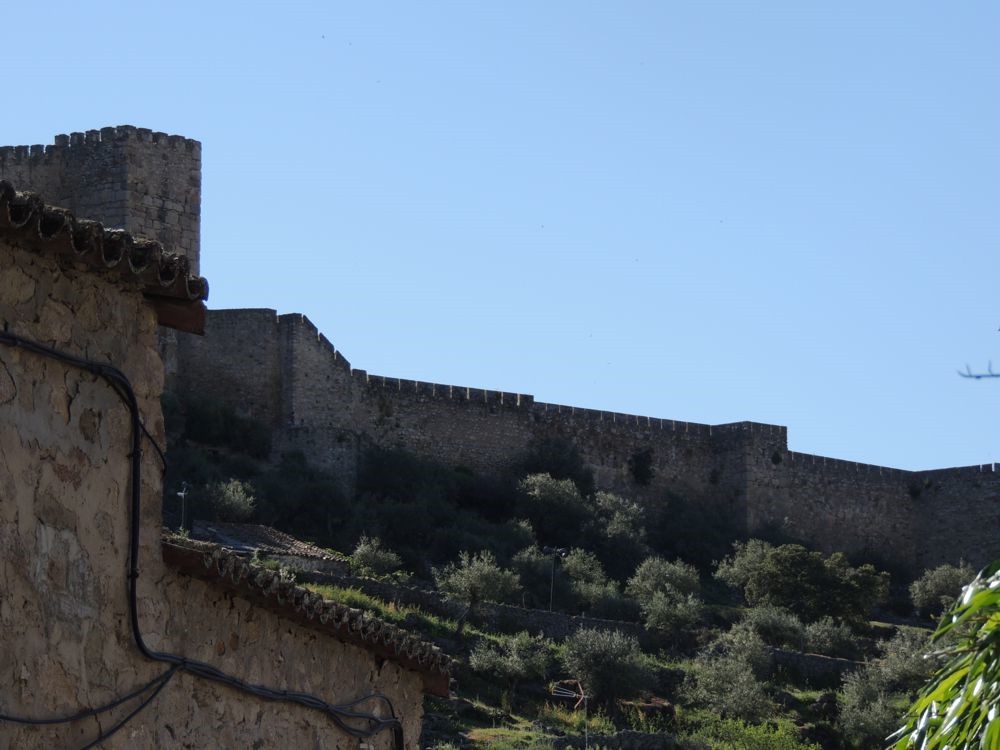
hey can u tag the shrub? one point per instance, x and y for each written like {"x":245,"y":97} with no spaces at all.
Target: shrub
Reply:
{"x":231,"y":501}
{"x":742,"y":642}
{"x":593,"y":593}
{"x":555,"y":509}
{"x":608,"y":664}
{"x":870,"y":697}
{"x":583,"y":567}
{"x":904,"y":665}
{"x":725,"y":685}
{"x":558,"y":458}
{"x":938,"y":588}
{"x":867,"y":713}
{"x":727,"y":676}
{"x":606,"y":601}
{"x":542,"y":579}
{"x":671,"y":613}
{"x":370,"y":558}
{"x":776,"y":626}
{"x":727,"y":734}
{"x":802,"y":581}
{"x":618,"y":533}
{"x":667,"y":594}
{"x":831,"y":638}
{"x":968,"y":682}
{"x":515,"y":659}
{"x":658,"y":575}
{"x":476,"y":578}
{"x":746,"y":559}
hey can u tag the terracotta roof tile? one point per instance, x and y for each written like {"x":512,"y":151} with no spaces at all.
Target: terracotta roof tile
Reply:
{"x":267,"y":589}
{"x":177,"y":295}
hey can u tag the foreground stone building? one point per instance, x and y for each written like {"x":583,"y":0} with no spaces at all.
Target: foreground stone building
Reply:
{"x":95,"y":605}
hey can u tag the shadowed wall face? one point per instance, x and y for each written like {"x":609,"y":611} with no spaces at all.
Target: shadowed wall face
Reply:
{"x":281,"y":369}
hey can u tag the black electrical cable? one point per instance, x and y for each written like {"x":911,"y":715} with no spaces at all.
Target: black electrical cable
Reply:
{"x":92,"y":712}
{"x":339,"y":714}
{"x":104,"y":735}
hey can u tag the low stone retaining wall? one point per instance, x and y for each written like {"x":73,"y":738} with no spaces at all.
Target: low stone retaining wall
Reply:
{"x":624,"y":740}
{"x":815,"y":669}
{"x":503,"y":618}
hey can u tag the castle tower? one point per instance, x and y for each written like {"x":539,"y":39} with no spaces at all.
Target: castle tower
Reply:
{"x":146,"y":183}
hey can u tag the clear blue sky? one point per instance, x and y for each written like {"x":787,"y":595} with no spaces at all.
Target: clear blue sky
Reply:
{"x":780,"y":211}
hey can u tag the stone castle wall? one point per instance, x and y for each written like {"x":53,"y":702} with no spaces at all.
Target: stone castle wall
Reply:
{"x":64,"y":544}
{"x":743,"y":470}
{"x":146,"y":183}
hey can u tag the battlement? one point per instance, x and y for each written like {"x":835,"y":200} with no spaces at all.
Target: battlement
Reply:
{"x":95,"y":139}
{"x":827,"y":465}
{"x":143,"y":181}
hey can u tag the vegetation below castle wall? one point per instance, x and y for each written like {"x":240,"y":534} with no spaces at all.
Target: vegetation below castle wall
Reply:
{"x":709,"y":661}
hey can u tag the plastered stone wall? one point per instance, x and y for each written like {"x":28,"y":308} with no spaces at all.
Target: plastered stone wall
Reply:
{"x":146,"y":183}
{"x":743,"y":471}
{"x":64,"y":480}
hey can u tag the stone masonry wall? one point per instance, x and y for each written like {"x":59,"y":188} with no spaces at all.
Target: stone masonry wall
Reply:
{"x":743,"y":471}
{"x":146,"y":183}
{"x":64,"y":535}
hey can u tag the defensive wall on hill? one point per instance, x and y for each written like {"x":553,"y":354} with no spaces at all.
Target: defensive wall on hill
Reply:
{"x":282,"y":370}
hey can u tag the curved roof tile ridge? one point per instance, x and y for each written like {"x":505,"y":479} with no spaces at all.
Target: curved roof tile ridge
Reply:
{"x":163,"y":277}
{"x":268,"y":589}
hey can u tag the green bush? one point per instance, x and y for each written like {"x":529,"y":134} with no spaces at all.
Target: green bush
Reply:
{"x":803,"y":581}
{"x":608,"y":664}
{"x":658,"y":575}
{"x":831,"y":638}
{"x":776,"y":626}
{"x":728,"y":676}
{"x":370,"y":558}
{"x":515,"y":659}
{"x":904,"y":665}
{"x":725,"y":685}
{"x":745,"y":560}
{"x":731,"y":734}
{"x":231,"y":501}
{"x":872,"y":700}
{"x":960,"y":706}
{"x":618,"y":534}
{"x":558,"y":458}
{"x":476,"y":578}
{"x":868,"y":713}
{"x":556,"y":509}
{"x":542,"y":578}
{"x":667,"y":593}
{"x":938,"y":588}
{"x":593,"y":593}
{"x":671,"y":613}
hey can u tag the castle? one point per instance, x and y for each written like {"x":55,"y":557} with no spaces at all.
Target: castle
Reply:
{"x":282,"y":370}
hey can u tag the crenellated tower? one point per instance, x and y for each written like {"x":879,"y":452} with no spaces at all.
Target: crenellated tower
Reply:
{"x":135,"y":179}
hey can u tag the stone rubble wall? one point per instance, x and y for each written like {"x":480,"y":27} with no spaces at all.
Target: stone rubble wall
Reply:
{"x":742,"y":471}
{"x":64,"y":536}
{"x":504,"y":618}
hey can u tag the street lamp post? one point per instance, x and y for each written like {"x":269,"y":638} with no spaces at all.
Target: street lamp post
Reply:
{"x":183,"y":496}
{"x":554,"y":552}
